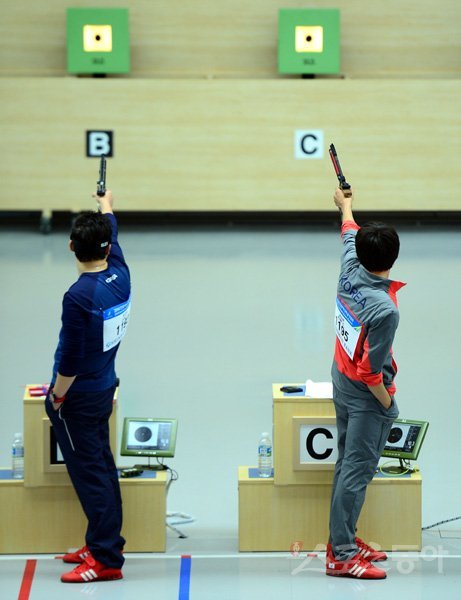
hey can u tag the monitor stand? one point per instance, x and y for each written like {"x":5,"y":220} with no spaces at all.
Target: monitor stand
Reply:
{"x":400,"y":469}
{"x":151,"y":467}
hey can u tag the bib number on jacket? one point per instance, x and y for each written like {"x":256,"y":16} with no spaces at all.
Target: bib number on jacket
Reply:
{"x":347,"y":328}
{"x":115,"y":324}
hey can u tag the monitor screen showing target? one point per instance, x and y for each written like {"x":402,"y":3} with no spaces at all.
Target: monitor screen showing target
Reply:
{"x":405,"y":439}
{"x":148,"y":437}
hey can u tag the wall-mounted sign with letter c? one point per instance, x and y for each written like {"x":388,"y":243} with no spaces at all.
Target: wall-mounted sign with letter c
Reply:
{"x":308,"y":144}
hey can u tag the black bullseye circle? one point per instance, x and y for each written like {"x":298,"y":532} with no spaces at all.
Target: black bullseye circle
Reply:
{"x":143,"y":434}
{"x":395,"y":435}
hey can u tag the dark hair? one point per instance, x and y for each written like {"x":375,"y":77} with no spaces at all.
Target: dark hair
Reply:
{"x":91,"y":234}
{"x":377,"y":246}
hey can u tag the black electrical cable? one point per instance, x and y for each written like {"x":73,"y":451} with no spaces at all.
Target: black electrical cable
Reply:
{"x":440,"y":523}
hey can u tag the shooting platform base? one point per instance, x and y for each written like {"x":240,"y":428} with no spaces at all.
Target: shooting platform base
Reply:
{"x":274,"y":517}
{"x":50,"y":519}
{"x":41,"y":513}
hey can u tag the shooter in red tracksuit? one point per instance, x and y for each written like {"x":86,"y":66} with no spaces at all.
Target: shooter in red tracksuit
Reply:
{"x":363,"y":371}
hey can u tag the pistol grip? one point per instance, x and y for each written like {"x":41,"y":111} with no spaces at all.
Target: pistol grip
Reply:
{"x":346,"y":188}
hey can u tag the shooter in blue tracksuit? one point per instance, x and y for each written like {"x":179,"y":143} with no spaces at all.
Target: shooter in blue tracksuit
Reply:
{"x":95,"y":313}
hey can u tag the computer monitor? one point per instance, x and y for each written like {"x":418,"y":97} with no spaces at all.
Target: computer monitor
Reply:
{"x":154,"y":438}
{"x":405,"y":439}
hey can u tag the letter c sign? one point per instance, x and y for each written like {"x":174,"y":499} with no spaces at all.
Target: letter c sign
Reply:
{"x":310,"y":443}
{"x":318,"y":444}
{"x":308,"y":144}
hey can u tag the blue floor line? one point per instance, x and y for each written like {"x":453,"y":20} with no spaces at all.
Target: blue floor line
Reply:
{"x":184,"y":577}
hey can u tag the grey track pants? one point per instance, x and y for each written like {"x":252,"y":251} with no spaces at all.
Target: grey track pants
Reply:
{"x":363,"y":428}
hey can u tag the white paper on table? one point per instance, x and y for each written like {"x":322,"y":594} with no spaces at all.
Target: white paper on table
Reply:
{"x":319,"y":389}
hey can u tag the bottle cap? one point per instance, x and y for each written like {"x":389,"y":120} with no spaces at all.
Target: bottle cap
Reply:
{"x":265,"y":434}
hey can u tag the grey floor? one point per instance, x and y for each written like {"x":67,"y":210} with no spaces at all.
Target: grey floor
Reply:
{"x":218,"y":316}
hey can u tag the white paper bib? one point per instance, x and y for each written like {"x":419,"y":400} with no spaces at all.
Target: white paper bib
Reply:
{"x":347,"y":328}
{"x":115,"y":324}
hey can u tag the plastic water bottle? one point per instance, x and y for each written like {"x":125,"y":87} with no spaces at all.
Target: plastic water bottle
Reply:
{"x":265,"y":456}
{"x":18,"y":456}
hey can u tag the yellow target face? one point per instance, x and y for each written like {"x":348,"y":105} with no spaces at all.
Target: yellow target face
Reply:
{"x":97,"y":38}
{"x":309,"y":39}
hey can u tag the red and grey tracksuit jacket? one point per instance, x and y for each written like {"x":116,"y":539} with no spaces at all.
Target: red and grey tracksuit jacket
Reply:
{"x":366,"y":319}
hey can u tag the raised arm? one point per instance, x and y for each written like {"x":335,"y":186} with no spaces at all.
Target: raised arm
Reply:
{"x":105,"y":202}
{"x":344,"y":203}
{"x":105,"y":205}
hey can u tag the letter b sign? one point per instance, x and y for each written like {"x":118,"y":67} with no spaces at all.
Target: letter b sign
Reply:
{"x":99,"y":142}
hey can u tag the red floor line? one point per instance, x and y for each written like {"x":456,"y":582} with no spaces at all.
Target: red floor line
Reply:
{"x":27,"y":578}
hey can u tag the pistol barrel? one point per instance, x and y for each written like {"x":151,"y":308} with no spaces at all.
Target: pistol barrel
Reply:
{"x":101,"y":190}
{"x":337,"y":167}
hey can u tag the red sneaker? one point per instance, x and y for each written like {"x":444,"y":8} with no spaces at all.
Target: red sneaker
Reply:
{"x":368,"y":552}
{"x":76,"y":557}
{"x":356,"y":567}
{"x":91,"y":570}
